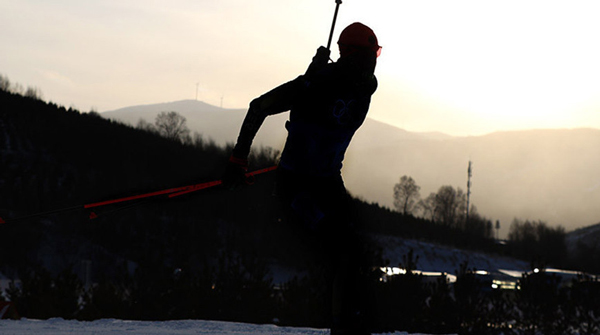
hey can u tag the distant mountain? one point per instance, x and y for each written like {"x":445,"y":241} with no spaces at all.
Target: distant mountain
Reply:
{"x":549,"y":175}
{"x":218,"y":124}
{"x":222,"y":125}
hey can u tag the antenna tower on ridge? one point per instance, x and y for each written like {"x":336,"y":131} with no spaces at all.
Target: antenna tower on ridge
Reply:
{"x":469,"y":174}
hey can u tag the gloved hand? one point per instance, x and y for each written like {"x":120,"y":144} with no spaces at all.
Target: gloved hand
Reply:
{"x":319,"y":61}
{"x":235,"y":173}
{"x":322,"y":55}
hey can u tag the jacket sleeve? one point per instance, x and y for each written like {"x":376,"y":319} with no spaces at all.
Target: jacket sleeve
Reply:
{"x":276,"y":101}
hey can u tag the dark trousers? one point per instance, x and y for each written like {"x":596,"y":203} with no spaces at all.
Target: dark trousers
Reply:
{"x":321,"y":211}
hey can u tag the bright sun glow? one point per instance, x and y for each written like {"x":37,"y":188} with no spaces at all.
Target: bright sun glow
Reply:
{"x":510,"y":64}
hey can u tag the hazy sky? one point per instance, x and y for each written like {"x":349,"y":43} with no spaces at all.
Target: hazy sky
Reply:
{"x":454,"y":66}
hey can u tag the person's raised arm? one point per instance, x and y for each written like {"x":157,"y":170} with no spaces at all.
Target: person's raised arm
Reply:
{"x":276,"y":101}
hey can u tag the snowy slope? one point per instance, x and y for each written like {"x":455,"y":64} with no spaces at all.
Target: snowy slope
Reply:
{"x":439,"y":258}
{"x":185,"y":327}
{"x":432,"y":258}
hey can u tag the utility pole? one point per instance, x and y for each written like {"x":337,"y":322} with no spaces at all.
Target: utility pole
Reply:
{"x":469,"y":174}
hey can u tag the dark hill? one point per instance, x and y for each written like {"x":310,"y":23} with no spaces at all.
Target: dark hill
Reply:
{"x":54,"y":158}
{"x":546,"y":174}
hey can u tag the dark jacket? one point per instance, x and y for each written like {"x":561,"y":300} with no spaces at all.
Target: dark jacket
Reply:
{"x":327,"y":105}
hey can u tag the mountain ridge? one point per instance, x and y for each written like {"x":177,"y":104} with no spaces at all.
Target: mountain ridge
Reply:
{"x":191,"y":105}
{"x":539,"y":174}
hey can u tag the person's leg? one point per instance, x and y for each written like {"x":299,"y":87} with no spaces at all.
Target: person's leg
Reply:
{"x":346,"y":254}
{"x":322,"y":213}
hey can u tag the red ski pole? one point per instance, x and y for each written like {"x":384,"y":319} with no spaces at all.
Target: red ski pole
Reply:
{"x":171,"y":192}
{"x":198,"y":187}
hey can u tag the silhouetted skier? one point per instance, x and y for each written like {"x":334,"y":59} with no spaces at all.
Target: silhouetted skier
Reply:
{"x":327,"y":105}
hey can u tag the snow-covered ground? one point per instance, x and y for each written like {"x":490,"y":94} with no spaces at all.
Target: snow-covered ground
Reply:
{"x":439,"y":258}
{"x":432,"y":258}
{"x":112,"y":327}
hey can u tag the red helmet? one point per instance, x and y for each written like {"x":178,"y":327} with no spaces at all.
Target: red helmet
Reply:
{"x":357,"y":36}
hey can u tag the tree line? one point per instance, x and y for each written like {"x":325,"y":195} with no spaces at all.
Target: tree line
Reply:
{"x":30,"y":92}
{"x":447,"y":207}
{"x":528,"y":240}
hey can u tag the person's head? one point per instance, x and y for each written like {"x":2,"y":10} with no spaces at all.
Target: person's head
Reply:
{"x":358,"y":44}
{"x":357,"y":37}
